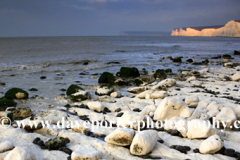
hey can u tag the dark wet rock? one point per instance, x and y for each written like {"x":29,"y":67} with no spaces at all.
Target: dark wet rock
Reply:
{"x":83,"y":106}
{"x":144,"y":79}
{"x":113,"y":62}
{"x":118,"y":110}
{"x":35,"y":141}
{"x":67,"y":106}
{"x":33,"y":89}
{"x":85,"y":63}
{"x":2,"y":84}
{"x":160,"y":140}
{"x":168,"y":70}
{"x":43,"y":147}
{"x":5,"y":103}
{"x":106,"y":77}
{"x":138,"y":82}
{"x":160,"y":74}
{"x":56,"y":143}
{"x":69,"y":158}
{"x":175,"y":133}
{"x":65,"y":150}
{"x":43,"y":77}
{"x":182,"y":149}
{"x":229,"y":152}
{"x":237,"y":155}
{"x":63,"y":90}
{"x":189,"y":60}
{"x":102,"y":136}
{"x":221,"y":151}
{"x":226,"y":56}
{"x":82,"y":73}
{"x":196,"y":150}
{"x":80,"y":97}
{"x":120,"y":114}
{"x":106,"y":110}
{"x":177,"y":59}
{"x":16,"y":93}
{"x":129,"y":72}
{"x":22,"y":112}
{"x":160,"y":129}
{"x":197,"y":63}
{"x":177,"y":89}
{"x":73,"y":89}
{"x":205,"y":61}
{"x":87,"y":133}
{"x":236,"y":52}
{"x":84,"y":117}
{"x":40,"y":143}
{"x":136,"y":110}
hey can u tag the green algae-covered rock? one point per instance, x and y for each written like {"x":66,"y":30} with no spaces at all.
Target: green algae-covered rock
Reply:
{"x":177,"y":59}
{"x":160,"y":74}
{"x":128,"y":72}
{"x":16,"y":93}
{"x":138,"y":82}
{"x":56,"y":143}
{"x":106,"y":77}
{"x":80,"y":96}
{"x":22,"y":112}
{"x":4,"y":103}
{"x":73,"y":89}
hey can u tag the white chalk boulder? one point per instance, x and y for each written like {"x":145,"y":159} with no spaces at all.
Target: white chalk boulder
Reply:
{"x":116,"y":94}
{"x":21,"y":153}
{"x":211,"y":145}
{"x":121,"y":137}
{"x":169,"y":82}
{"x":236,"y":76}
{"x":6,"y":146}
{"x":143,"y":94}
{"x":105,"y":90}
{"x":193,"y":78}
{"x":159,"y":94}
{"x":95,"y":106}
{"x":159,"y":87}
{"x":227,"y":115}
{"x":82,"y":95}
{"x":86,"y":154}
{"x":192,"y":101}
{"x":136,"y":89}
{"x":148,"y":109}
{"x":143,"y":142}
{"x":177,"y":123}
{"x":170,"y":107}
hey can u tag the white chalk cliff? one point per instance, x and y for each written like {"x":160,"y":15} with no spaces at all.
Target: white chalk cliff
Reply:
{"x":231,"y":29}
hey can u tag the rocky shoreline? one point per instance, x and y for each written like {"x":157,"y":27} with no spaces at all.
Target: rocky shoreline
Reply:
{"x":188,"y":97}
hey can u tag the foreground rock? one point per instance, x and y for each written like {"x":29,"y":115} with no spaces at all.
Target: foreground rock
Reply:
{"x":86,"y":154}
{"x":56,"y":143}
{"x":143,"y":142}
{"x":80,"y":96}
{"x":22,"y":112}
{"x":121,"y":137}
{"x":16,"y":93}
{"x":104,"y":90}
{"x":21,"y":153}
{"x":6,"y":146}
{"x":211,"y":145}
{"x":95,"y":106}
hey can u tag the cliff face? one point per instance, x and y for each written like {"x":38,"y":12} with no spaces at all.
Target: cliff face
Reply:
{"x":231,"y":29}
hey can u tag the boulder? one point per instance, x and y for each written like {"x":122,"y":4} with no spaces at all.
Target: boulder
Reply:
{"x":56,"y":143}
{"x":116,"y":94}
{"x":169,"y":82}
{"x":160,"y":74}
{"x":95,"y":106}
{"x":236,"y":76}
{"x":6,"y":146}
{"x":212,"y":113}
{"x":73,"y":89}
{"x":143,"y":142}
{"x":22,"y":112}
{"x":32,"y":123}
{"x":229,"y":65}
{"x":192,"y":101}
{"x":106,"y":77}
{"x":177,"y":123}
{"x":131,"y":119}
{"x":159,"y":94}
{"x":16,"y":93}
{"x":214,"y":106}
{"x":236,"y":52}
{"x":146,"y":79}
{"x":105,"y":90}
{"x":227,"y":115}
{"x":200,"y":129}
{"x":211,"y":145}
{"x":121,"y":137}
{"x":86,"y":154}
{"x":143,"y":94}
{"x":170,"y":107}
{"x":128,"y":72}
{"x":193,"y":78}
{"x":136,"y":89}
{"x":80,"y":96}
{"x":5,"y":103}
{"x":21,"y":153}
{"x":148,"y":109}
{"x":159,"y":87}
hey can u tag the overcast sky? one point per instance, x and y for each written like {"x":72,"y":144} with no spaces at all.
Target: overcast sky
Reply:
{"x":109,"y":17}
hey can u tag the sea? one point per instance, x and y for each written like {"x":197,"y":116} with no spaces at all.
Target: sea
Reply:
{"x":61,"y":59}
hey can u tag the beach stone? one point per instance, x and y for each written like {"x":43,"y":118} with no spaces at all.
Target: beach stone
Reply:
{"x":236,"y":76}
{"x":6,"y":146}
{"x":106,"y":77}
{"x":116,"y":94}
{"x":170,"y":107}
{"x":211,"y":145}
{"x":200,"y":129}
{"x":32,"y":123}
{"x":196,"y":83}
{"x":229,"y":152}
{"x":228,"y":65}
{"x":86,"y":154}
{"x":212,"y":113}
{"x":65,"y":150}
{"x":56,"y":143}
{"x":73,"y":89}
{"x":128,"y":72}
{"x":80,"y":96}
{"x":160,"y":74}
{"x":159,"y":87}
{"x":5,"y":103}
{"x":131,"y":118}
{"x":159,"y":94}
{"x":21,"y":153}
{"x":22,"y":112}
{"x":16,"y":93}
{"x":146,"y":79}
{"x":204,"y":116}
{"x":213,"y":106}
{"x":177,"y":123}
{"x":95,"y":106}
{"x":105,"y":90}
{"x":121,"y":137}
{"x":143,"y":142}
{"x":144,"y":93}
{"x":192,"y":101}
{"x":149,"y":108}
{"x":193,"y":78}
{"x":227,"y":115}
{"x":136,"y":89}
{"x":169,"y":82}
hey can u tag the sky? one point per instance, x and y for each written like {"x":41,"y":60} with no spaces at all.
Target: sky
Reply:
{"x":110,"y":17}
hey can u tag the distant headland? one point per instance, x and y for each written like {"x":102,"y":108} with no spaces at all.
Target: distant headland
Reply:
{"x":231,"y":29}
{"x":144,"y":33}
